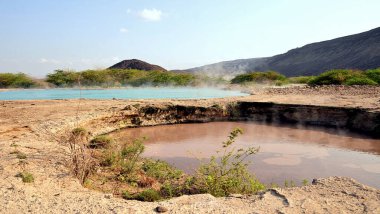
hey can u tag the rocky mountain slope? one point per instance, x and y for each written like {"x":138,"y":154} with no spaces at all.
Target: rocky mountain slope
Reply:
{"x":359,"y":51}
{"x":136,"y":64}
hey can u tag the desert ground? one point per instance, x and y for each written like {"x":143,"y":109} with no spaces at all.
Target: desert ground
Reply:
{"x":34,"y":127}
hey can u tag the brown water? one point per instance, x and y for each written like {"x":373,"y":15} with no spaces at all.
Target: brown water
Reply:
{"x":286,"y":152}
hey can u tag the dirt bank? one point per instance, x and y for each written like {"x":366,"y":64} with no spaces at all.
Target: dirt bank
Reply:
{"x":32,"y":126}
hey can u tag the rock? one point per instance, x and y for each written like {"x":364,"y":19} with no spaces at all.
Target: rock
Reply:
{"x":108,"y":196}
{"x":314,"y":182}
{"x":161,"y":209}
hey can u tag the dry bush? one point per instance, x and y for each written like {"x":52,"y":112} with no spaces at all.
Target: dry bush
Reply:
{"x":81,"y":158}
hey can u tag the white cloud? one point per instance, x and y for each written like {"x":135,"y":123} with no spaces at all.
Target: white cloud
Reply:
{"x":49,"y":61}
{"x":99,"y":61}
{"x":151,"y":14}
{"x":123,"y":30}
{"x":129,"y":11}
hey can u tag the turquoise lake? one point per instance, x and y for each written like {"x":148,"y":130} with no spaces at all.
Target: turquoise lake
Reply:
{"x":128,"y":93}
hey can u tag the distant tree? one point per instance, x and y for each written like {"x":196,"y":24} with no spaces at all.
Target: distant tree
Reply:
{"x":19,"y":80}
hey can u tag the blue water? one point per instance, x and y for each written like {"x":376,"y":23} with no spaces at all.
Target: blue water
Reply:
{"x":129,"y":93}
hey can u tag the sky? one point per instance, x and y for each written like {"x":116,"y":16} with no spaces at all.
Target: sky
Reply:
{"x":39,"y":36}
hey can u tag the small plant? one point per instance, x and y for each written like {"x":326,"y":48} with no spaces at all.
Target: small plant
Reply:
{"x":168,"y":190}
{"x":347,"y":77}
{"x":19,"y":155}
{"x":373,"y":74}
{"x":360,"y":81}
{"x":273,"y":185}
{"x":130,"y":154}
{"x":148,"y":195}
{"x":217,"y":106}
{"x":79,"y":131}
{"x":82,"y":162}
{"x":14,"y":145}
{"x":229,"y":174}
{"x":301,"y":79}
{"x":259,"y":77}
{"x":161,"y":170}
{"x":26,"y":177}
{"x":305,"y":182}
{"x":124,"y":158}
{"x":101,"y":141}
{"x":127,"y":195}
{"x":110,"y":158}
{"x":289,"y":183}
{"x":145,"y":181}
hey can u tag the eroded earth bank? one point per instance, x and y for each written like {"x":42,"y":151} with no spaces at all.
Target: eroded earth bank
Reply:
{"x":34,"y":128}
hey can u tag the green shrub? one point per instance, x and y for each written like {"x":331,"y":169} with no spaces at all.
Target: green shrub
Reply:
{"x":101,"y":141}
{"x":119,"y":77}
{"x":229,"y":174}
{"x":127,"y":195}
{"x":345,"y":77}
{"x":130,"y":154}
{"x":110,"y":158}
{"x":63,"y":78}
{"x":168,"y":190}
{"x":20,"y":80}
{"x":26,"y":177}
{"x":124,"y":158}
{"x":332,"y":77}
{"x":301,"y":79}
{"x":360,"y":81}
{"x":148,"y":195}
{"x":160,"y":170}
{"x":305,"y":182}
{"x":373,"y":74}
{"x":79,"y":131}
{"x":258,"y":77}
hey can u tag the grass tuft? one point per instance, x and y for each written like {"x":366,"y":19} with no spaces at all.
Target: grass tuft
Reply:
{"x":26,"y":177}
{"x":102,"y":141}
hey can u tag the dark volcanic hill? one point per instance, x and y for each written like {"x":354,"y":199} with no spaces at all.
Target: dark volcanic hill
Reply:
{"x":136,"y":64}
{"x":358,"y":51}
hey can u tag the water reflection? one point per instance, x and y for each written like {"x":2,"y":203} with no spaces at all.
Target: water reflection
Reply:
{"x":286,"y":152}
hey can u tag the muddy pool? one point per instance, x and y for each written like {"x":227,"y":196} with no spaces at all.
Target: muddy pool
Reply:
{"x":286,"y":152}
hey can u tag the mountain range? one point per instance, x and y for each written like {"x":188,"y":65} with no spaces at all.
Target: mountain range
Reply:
{"x":358,"y":51}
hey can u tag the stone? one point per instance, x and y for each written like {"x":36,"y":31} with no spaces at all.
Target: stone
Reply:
{"x":314,"y":182}
{"x":108,"y":196}
{"x":161,"y":209}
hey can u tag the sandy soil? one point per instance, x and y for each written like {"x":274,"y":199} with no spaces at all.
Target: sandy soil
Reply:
{"x":32,"y":126}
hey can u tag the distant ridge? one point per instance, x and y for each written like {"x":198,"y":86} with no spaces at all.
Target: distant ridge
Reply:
{"x":136,"y":64}
{"x":358,"y":51}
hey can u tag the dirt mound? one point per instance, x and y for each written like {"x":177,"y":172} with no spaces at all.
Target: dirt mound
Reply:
{"x":136,"y":64}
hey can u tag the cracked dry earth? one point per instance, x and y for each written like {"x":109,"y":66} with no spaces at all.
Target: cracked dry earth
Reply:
{"x":31,"y":127}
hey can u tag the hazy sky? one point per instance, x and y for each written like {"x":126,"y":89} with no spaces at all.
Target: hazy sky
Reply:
{"x":38,"y":36}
